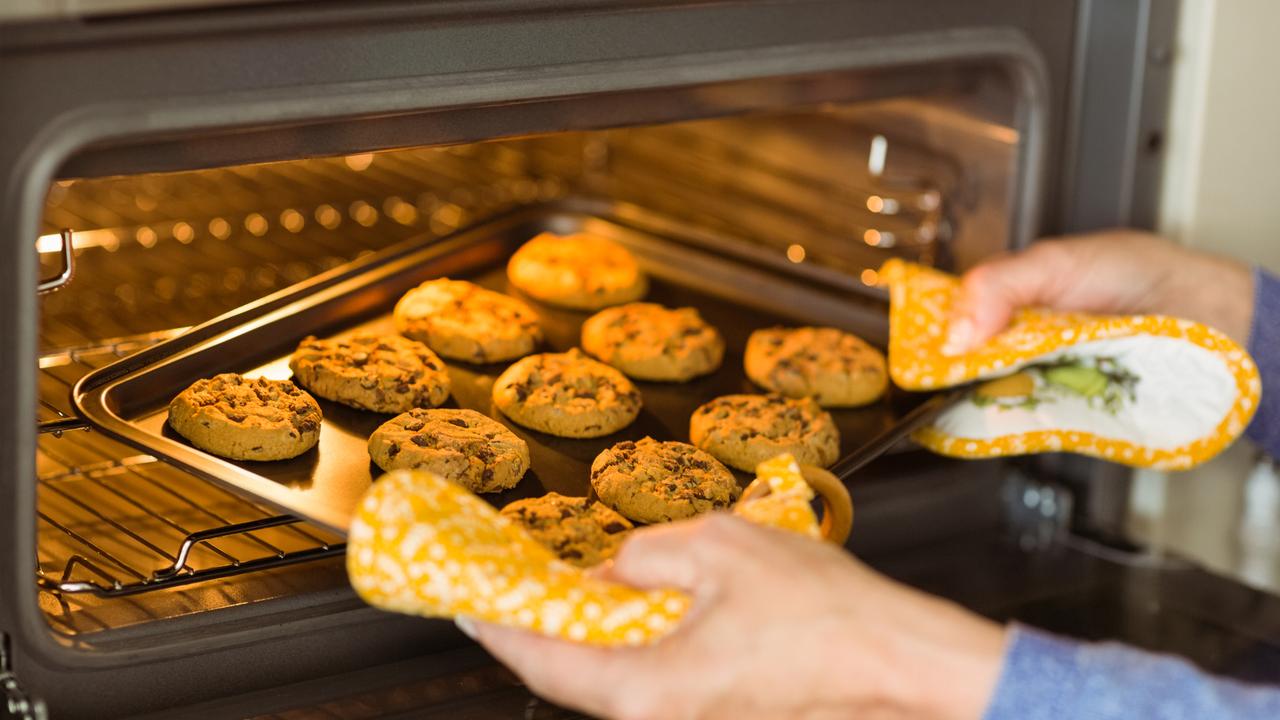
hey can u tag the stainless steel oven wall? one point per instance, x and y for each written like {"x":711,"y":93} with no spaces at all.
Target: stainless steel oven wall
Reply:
{"x":128,"y":94}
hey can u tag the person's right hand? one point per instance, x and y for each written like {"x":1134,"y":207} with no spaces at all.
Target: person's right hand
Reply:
{"x":1112,"y":272}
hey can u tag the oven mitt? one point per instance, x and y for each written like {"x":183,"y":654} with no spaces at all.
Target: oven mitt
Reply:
{"x":1142,"y":390}
{"x":424,"y":546}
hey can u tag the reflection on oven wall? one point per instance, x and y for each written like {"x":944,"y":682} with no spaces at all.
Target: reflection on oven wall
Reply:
{"x":845,"y":186}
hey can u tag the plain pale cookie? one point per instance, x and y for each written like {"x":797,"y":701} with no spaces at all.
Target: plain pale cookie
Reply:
{"x":743,"y":431}
{"x":462,"y":446}
{"x":834,"y":367}
{"x":650,"y":342}
{"x":567,"y":394}
{"x":652,"y":482}
{"x":242,"y":419}
{"x":580,"y":271}
{"x":576,"y":529}
{"x":464,"y":321}
{"x":383,"y":374}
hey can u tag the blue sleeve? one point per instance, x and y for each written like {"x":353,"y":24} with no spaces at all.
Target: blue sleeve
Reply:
{"x":1047,"y":677}
{"x":1264,"y":346}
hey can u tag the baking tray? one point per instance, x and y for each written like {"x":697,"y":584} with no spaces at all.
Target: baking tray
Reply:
{"x":737,"y":287}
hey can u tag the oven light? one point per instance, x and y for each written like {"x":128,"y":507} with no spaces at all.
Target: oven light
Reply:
{"x":183,"y":232}
{"x":882,"y":205}
{"x":871,"y":237}
{"x":795,"y":253}
{"x":870,"y":277}
{"x":256,"y":224}
{"x":146,"y":237}
{"x":359,"y":162}
{"x":328,"y":216}
{"x":876,"y":157}
{"x":292,"y":220}
{"x":220,"y":228}
{"x":103,"y":238}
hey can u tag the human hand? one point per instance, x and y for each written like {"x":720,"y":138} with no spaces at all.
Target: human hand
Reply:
{"x":1111,"y":272}
{"x":782,"y":626}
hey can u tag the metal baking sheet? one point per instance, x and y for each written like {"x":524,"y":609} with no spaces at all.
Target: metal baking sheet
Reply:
{"x":737,"y":288}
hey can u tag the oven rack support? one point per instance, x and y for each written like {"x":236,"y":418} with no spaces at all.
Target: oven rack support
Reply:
{"x":114,"y":577}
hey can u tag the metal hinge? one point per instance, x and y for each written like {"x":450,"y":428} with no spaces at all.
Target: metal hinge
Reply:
{"x":17,"y":703}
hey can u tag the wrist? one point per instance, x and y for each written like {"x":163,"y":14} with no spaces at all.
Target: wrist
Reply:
{"x":1213,"y":290}
{"x":947,"y":666}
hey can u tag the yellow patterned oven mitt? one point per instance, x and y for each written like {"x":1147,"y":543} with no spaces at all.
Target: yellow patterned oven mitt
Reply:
{"x":424,"y":546}
{"x":1146,"y":391}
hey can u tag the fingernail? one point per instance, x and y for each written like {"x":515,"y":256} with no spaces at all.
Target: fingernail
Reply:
{"x":466,"y":625}
{"x":959,"y":336}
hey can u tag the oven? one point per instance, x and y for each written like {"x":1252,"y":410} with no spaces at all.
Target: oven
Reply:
{"x":166,"y":163}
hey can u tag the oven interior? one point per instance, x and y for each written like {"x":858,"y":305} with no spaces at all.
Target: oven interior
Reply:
{"x":125,"y":539}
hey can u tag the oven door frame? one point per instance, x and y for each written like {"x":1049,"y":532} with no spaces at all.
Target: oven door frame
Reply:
{"x":414,"y":101}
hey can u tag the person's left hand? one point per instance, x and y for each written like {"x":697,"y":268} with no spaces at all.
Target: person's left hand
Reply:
{"x":782,"y":626}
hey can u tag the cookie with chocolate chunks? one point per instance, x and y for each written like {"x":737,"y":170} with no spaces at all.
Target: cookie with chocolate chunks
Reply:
{"x":577,"y":529}
{"x":388,"y":374}
{"x":567,"y":394}
{"x":582,"y":271}
{"x":463,"y":321}
{"x":462,"y":446}
{"x":650,"y":342}
{"x":242,"y":419}
{"x":744,"y":430}
{"x":652,"y":482}
{"x":834,"y":367}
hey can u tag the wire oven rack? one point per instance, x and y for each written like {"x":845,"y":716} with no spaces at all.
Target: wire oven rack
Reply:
{"x":114,"y":523}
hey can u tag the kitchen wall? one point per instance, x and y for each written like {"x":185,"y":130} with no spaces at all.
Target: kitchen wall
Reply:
{"x":1222,"y":193}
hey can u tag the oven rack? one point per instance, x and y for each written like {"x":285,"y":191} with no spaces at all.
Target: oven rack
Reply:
{"x":115,"y":523}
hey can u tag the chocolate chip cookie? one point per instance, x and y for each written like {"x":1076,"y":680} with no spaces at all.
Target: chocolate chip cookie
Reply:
{"x":651,"y":342}
{"x":462,"y":446}
{"x":464,"y":321}
{"x":384,"y":374}
{"x":745,"y":430}
{"x":567,"y":394}
{"x":834,"y":367}
{"x":242,"y":419}
{"x":580,"y":271}
{"x":577,"y":529}
{"x":652,"y":482}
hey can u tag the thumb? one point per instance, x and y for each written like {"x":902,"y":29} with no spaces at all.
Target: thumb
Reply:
{"x":993,"y":291}
{"x":668,"y":556}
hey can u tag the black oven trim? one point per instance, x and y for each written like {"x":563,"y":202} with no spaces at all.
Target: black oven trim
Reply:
{"x":34,"y":160}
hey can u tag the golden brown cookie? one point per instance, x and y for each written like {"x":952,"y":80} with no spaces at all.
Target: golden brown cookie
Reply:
{"x":834,"y":367}
{"x":464,"y":321}
{"x":462,"y":446}
{"x":567,"y":394}
{"x":744,"y":430}
{"x":242,"y":419}
{"x":580,"y":271}
{"x":384,"y":374}
{"x":650,"y":342}
{"x":652,"y":482}
{"x":577,"y":529}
